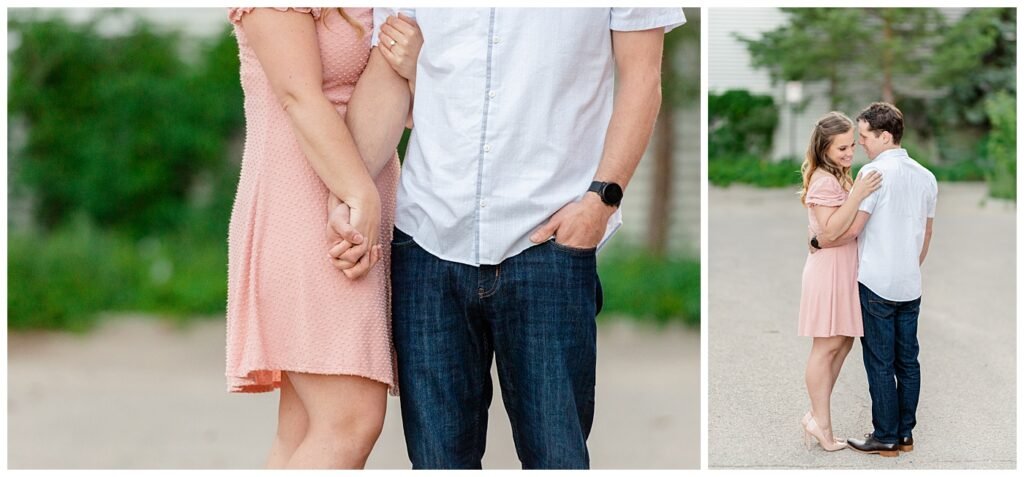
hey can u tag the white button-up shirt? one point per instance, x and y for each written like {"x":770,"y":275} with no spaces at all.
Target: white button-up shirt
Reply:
{"x":891,"y":242}
{"x":510,"y":113}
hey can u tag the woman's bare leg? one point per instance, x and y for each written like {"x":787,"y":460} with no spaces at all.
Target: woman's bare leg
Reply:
{"x":292,"y":422}
{"x":837,"y":363}
{"x":820,"y":380}
{"x":346,"y":414}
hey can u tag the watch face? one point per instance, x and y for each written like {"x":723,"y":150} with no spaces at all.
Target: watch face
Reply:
{"x":612,"y":194}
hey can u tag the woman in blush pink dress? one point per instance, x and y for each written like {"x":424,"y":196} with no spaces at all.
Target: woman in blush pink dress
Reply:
{"x":829,"y":304}
{"x":315,"y":326}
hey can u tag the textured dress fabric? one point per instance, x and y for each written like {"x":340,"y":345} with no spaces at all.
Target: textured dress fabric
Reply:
{"x":829,"y":298}
{"x":288,"y":308}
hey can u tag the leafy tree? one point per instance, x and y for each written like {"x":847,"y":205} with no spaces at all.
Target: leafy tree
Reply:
{"x":976,"y":58}
{"x":808,"y":48}
{"x":847,"y":45}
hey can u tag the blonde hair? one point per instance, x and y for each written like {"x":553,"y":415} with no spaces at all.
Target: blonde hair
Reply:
{"x":825,"y":130}
{"x":351,"y":21}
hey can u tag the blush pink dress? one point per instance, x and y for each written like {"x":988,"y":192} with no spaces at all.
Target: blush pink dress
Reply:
{"x":288,"y":308}
{"x":829,"y":299}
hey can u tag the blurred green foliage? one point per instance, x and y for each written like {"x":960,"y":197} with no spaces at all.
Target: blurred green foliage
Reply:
{"x":638,"y":284}
{"x":63,"y":278}
{"x":129,"y":167}
{"x":741,"y":123}
{"x":119,"y":128}
{"x":976,"y":58}
{"x":826,"y":44}
{"x":747,"y":169}
{"x":1002,"y":145}
{"x":955,"y":83}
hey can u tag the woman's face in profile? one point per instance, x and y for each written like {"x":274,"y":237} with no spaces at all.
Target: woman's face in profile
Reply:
{"x":840,"y":152}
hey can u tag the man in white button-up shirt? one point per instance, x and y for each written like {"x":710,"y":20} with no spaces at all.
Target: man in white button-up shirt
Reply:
{"x":896,"y":223}
{"x":520,"y":151}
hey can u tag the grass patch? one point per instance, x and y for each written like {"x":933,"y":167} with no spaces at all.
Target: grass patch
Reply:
{"x":640,"y":285}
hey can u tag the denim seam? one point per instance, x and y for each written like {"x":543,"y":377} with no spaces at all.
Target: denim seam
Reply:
{"x":497,"y":284}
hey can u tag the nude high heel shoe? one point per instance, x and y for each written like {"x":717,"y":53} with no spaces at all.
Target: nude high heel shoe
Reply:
{"x":812,"y":429}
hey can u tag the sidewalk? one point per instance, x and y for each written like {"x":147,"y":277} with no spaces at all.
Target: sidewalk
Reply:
{"x":967,"y":416}
{"x":137,"y":393}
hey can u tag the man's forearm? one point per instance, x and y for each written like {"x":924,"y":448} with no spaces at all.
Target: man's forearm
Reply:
{"x":636,"y":105}
{"x":377,"y":112}
{"x":927,"y":242}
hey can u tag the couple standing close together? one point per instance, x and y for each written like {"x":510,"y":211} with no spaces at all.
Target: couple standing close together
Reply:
{"x":868,"y":241}
{"x":486,"y":242}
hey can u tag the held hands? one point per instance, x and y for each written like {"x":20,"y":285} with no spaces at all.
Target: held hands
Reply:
{"x":580,"y":224}
{"x":400,"y":42}
{"x":353,"y":252}
{"x":865,"y":185}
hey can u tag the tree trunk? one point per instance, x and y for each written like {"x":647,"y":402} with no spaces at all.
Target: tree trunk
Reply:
{"x":661,"y":200}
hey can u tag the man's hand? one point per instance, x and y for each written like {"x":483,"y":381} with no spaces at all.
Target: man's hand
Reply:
{"x":580,"y":224}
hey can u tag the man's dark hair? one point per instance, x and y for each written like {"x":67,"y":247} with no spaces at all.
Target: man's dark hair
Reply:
{"x":883,"y":117}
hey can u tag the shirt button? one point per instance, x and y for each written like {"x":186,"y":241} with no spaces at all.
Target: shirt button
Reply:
{"x":496,"y":40}
{"x":487,"y":148}
{"x":483,"y":204}
{"x":492,"y":94}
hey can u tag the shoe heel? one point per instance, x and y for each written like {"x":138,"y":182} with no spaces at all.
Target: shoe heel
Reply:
{"x":909,"y":448}
{"x":807,"y":438}
{"x":894,"y":453}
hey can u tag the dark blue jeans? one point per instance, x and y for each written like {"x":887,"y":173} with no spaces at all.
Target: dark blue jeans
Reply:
{"x":890,"y":358}
{"x":534,"y":314}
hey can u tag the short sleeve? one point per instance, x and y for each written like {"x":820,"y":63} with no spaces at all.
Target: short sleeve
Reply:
{"x":381,"y":14}
{"x":235,"y":14}
{"x":636,"y":19}
{"x":825,"y":191}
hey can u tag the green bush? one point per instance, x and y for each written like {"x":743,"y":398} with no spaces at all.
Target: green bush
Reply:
{"x":1001,"y":146}
{"x":746,"y":169}
{"x":63,"y":279}
{"x":640,"y":285}
{"x":119,"y":127}
{"x":741,"y":123}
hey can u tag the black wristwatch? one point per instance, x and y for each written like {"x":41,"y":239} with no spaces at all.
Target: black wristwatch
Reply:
{"x":814,"y":242}
{"x":610,"y":192}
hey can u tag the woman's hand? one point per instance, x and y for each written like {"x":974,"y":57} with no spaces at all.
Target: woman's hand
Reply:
{"x":400,"y":42}
{"x":356,"y":257}
{"x":865,"y":185}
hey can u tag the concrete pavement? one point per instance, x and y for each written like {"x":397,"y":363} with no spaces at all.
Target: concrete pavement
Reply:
{"x":138,"y":393}
{"x":967,"y":415}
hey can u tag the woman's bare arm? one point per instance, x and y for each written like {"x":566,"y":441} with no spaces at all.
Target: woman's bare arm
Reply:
{"x":835,"y":221}
{"x":851,"y":233}
{"x":288,"y":50}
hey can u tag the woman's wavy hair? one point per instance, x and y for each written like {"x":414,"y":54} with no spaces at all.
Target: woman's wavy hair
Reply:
{"x":825,"y":130}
